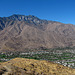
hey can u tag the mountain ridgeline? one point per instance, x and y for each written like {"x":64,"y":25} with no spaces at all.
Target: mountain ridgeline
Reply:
{"x":19,"y":32}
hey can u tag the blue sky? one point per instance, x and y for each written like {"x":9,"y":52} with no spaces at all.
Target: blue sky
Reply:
{"x":55,"y":10}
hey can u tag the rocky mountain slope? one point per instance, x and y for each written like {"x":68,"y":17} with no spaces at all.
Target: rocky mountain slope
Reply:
{"x":19,"y":32}
{"x":22,"y":66}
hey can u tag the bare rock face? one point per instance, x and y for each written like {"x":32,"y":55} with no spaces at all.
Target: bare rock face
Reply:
{"x":19,"y":32}
{"x":22,"y":66}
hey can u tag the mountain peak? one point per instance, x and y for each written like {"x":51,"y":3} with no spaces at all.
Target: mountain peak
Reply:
{"x":29,"y":19}
{"x":22,"y":17}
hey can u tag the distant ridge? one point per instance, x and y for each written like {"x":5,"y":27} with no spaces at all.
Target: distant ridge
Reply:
{"x":20,"y":32}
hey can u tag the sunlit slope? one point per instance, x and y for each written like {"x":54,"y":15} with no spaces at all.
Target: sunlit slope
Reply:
{"x":22,"y":66}
{"x":19,"y":33}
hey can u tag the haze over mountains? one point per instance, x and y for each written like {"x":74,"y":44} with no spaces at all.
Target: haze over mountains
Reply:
{"x":19,"y":32}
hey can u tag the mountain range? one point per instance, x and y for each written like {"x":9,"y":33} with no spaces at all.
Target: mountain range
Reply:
{"x":20,"y":32}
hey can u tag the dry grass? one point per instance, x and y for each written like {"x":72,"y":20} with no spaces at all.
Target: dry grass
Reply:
{"x":36,"y":67}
